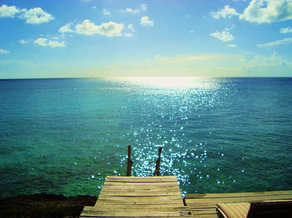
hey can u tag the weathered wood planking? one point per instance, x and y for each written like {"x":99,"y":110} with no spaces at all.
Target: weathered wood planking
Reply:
{"x":204,"y":205}
{"x":138,"y":197}
{"x":240,"y":195}
{"x":133,"y":213}
{"x":140,"y":193}
{"x":160,"y":197}
{"x":141,"y":179}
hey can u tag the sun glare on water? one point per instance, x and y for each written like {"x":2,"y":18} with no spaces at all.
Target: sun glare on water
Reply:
{"x":163,"y":82}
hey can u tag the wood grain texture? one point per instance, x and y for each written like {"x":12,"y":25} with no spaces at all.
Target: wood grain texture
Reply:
{"x":161,"y":197}
{"x":139,"y":197}
{"x":204,"y":205}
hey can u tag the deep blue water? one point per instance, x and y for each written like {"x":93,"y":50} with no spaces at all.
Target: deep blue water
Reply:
{"x":64,"y":136}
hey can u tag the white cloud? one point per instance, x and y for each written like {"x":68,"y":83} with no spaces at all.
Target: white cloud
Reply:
{"x":106,"y":12}
{"x":223,"y":36}
{"x":286,"y":30}
{"x":192,"y":31}
{"x":250,"y":60}
{"x":41,"y":41}
{"x":8,"y":11}
{"x":131,"y":27}
{"x":227,"y":12}
{"x":146,"y":22}
{"x":159,"y":58}
{"x":36,"y":16}
{"x":143,"y":7}
{"x":54,"y":44}
{"x":130,"y":10}
{"x":128,"y":34}
{"x":285,"y":41}
{"x":275,"y":60}
{"x":268,"y":11}
{"x":32,"y":16}
{"x":49,"y":43}
{"x":247,"y":57}
{"x":110,"y":29}
{"x":23,"y":41}
{"x":232,"y":45}
{"x":3,"y":51}
{"x":66,"y":28}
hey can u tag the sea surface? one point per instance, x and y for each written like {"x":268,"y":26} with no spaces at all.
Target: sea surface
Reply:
{"x":64,"y":136}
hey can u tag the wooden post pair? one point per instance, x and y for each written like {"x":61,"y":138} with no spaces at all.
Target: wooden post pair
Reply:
{"x":130,"y":162}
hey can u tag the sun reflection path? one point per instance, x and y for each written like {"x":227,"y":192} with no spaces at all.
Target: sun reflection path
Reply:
{"x":167,"y":82}
{"x":168,"y":112}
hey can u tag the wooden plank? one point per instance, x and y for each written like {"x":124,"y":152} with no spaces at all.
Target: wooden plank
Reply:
{"x":136,"y":213}
{"x":238,"y":195}
{"x":236,"y":200}
{"x":140,"y":193}
{"x":207,"y":215}
{"x":163,"y":207}
{"x":145,"y":188}
{"x":177,"y":202}
{"x":140,"y":184}
{"x":139,"y":179}
{"x":204,"y":205}
{"x":203,"y":210}
{"x":142,"y":200}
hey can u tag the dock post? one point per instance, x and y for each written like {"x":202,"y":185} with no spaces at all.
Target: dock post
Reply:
{"x":156,"y":172}
{"x":130,"y":162}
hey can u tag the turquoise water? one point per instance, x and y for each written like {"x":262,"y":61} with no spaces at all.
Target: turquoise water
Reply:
{"x":64,"y":136}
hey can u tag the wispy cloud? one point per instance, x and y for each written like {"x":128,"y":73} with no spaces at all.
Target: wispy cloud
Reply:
{"x":130,"y":10}
{"x":131,"y":27}
{"x":23,"y":41}
{"x":285,"y":41}
{"x":223,"y":36}
{"x":32,"y":16}
{"x":67,"y":28}
{"x":267,"y":11}
{"x":146,"y":22}
{"x":128,"y":34}
{"x":110,"y":29}
{"x":250,"y":60}
{"x":106,"y":12}
{"x":232,"y":45}
{"x":49,"y":43}
{"x":226,"y":12}
{"x":3,"y":51}
{"x":286,"y":30}
{"x":159,"y":58}
{"x":142,"y":7}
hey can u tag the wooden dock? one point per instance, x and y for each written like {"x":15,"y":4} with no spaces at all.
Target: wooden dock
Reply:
{"x":161,"y":197}
{"x":138,"y":197}
{"x":204,"y":205}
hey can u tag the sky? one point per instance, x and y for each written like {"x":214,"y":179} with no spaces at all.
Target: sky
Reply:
{"x":126,"y":38}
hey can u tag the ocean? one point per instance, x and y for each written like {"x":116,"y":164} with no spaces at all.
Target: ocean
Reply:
{"x":64,"y":136}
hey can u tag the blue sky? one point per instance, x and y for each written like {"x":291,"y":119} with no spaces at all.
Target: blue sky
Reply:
{"x":117,"y":38}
